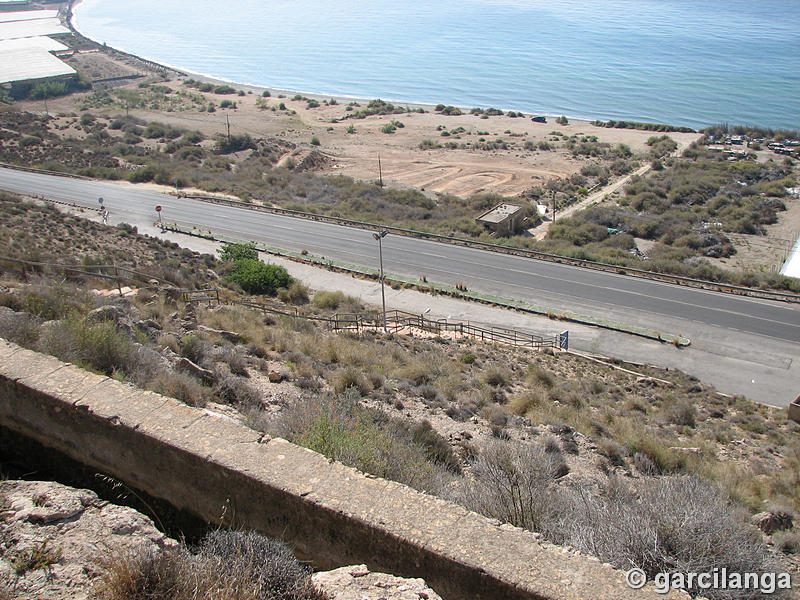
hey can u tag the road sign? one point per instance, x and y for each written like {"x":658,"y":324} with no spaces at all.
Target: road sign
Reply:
{"x":158,"y":208}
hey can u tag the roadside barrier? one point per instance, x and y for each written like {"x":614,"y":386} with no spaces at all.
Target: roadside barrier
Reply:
{"x":358,"y":322}
{"x":524,"y":252}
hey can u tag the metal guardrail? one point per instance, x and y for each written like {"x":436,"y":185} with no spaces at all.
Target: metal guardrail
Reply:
{"x":395,"y":321}
{"x":620,"y":269}
{"x":44,"y":171}
{"x":398,"y":320}
{"x":525,"y":252}
{"x":205,"y":295}
{"x":116,"y":273}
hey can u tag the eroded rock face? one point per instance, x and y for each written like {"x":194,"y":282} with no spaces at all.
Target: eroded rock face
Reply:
{"x":358,"y":583}
{"x":74,"y":529}
{"x":78,"y":533}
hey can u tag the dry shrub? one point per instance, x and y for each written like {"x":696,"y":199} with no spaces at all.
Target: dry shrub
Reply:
{"x":236,"y":359}
{"x":496,"y":415}
{"x":19,"y":327}
{"x":681,"y":413}
{"x":50,"y":299}
{"x":169,"y":340}
{"x":181,"y":386}
{"x":418,"y":370}
{"x":659,"y":452}
{"x":196,"y":349}
{"x":97,"y":346}
{"x":335,"y":300}
{"x":496,"y":376}
{"x":236,"y":391}
{"x":452,"y":386}
{"x":512,"y":483}
{"x":538,"y":376}
{"x":613,"y":451}
{"x":524,"y":402}
{"x":458,"y":413}
{"x":227,"y":566}
{"x":296,"y":293}
{"x":787,"y":542}
{"x":672,"y":524}
{"x":349,"y":377}
{"x":369,"y":440}
{"x":247,"y":322}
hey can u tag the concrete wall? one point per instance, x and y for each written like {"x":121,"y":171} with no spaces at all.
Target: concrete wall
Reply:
{"x":334,"y":515}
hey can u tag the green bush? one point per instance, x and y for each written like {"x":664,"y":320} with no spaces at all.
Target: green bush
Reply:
{"x":224,"y":89}
{"x":255,"y":277}
{"x":96,"y":346}
{"x":328,"y":300}
{"x":367,"y":439}
{"x":448,"y":110}
{"x":234,"y":143}
{"x":237,"y":252}
{"x":50,"y":89}
{"x":296,"y":293}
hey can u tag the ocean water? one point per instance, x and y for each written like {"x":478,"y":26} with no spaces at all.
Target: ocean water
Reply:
{"x":685,"y":62}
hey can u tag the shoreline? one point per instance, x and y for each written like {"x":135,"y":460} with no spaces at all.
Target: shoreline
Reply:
{"x":346,"y":98}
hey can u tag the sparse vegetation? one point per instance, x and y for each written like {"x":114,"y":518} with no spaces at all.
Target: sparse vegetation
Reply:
{"x":351,"y":397}
{"x":644,"y":126}
{"x":226,"y":565}
{"x":38,"y":556}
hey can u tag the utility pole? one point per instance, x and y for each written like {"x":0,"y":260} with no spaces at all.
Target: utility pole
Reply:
{"x":379,"y":237}
{"x":553,"y":195}
{"x":380,"y":171}
{"x":228,"y":121}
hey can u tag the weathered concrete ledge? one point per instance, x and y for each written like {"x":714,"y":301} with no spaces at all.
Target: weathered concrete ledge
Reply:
{"x":334,"y":515}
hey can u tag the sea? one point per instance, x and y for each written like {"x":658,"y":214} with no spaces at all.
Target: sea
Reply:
{"x":683,"y":62}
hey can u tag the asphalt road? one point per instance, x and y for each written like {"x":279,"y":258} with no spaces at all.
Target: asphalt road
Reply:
{"x":603,"y":295}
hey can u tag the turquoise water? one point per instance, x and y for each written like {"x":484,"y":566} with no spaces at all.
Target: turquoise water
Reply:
{"x":686,"y":62}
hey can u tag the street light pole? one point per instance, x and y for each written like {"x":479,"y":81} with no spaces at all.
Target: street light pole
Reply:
{"x":379,"y":236}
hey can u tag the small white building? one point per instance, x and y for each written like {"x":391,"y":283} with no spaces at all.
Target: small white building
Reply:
{"x":503,"y":219}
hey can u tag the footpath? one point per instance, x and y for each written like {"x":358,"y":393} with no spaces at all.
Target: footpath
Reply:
{"x":742,"y":366}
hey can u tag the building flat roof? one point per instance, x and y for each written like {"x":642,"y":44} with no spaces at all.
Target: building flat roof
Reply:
{"x":43,"y":42}
{"x":27,"y":15}
{"x":499,"y":213}
{"x":37,"y":27}
{"x":27,"y":64}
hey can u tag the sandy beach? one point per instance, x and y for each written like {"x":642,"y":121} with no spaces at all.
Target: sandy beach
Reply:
{"x":462,"y":172}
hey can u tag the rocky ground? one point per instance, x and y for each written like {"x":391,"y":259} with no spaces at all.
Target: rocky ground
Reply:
{"x":421,"y":410}
{"x":54,"y":539}
{"x":56,"y":542}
